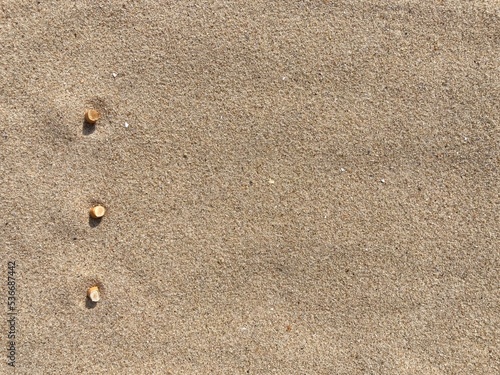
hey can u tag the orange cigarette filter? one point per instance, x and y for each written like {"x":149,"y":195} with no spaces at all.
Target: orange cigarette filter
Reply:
{"x":93,"y":294}
{"x":91,"y":116}
{"x":97,"y":212}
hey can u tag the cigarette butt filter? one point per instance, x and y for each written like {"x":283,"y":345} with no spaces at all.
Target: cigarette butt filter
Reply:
{"x":97,"y":212}
{"x":93,"y":294}
{"x":91,"y":116}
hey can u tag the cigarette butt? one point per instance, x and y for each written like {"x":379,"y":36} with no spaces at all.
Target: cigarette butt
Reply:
{"x":93,"y":294}
{"x":97,"y":212}
{"x":91,"y":116}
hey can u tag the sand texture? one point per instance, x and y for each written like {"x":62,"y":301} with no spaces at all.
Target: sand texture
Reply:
{"x":291,"y":187}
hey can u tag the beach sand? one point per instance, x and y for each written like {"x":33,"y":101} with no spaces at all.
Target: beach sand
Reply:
{"x":292,"y":187}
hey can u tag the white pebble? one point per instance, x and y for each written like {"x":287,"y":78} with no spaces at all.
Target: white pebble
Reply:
{"x":126,"y":124}
{"x":114,"y":75}
{"x":342,"y":169}
{"x":382,"y":181}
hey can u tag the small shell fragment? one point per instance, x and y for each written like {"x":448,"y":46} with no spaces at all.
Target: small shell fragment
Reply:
{"x":93,"y":294}
{"x":91,"y":116}
{"x":97,"y":212}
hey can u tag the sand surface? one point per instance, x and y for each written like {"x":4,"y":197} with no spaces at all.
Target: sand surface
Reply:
{"x":292,"y":187}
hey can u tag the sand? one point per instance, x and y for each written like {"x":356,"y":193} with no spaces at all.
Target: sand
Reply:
{"x":292,"y":187}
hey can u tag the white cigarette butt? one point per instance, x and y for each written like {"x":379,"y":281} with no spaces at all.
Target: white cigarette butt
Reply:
{"x":93,"y":294}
